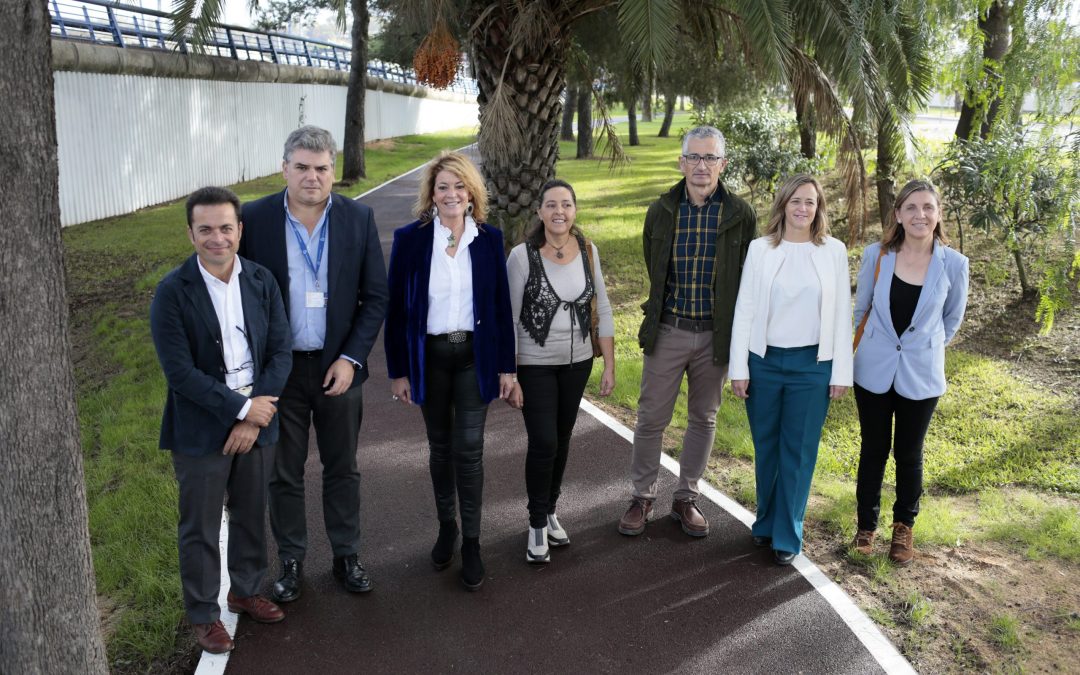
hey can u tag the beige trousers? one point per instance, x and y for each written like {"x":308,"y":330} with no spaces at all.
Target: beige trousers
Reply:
{"x":676,"y":352}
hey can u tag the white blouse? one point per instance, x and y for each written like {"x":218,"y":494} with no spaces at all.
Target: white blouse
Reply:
{"x":795,"y":300}
{"x":450,"y":291}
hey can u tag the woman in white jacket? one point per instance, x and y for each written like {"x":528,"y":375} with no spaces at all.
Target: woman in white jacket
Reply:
{"x":790,"y":354}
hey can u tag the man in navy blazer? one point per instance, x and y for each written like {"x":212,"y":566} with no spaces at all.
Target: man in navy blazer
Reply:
{"x":219,"y":327}
{"x":324,"y":251}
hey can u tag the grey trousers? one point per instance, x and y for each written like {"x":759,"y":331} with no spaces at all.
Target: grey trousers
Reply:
{"x":337,"y":425}
{"x":676,"y":352}
{"x":204,"y":482}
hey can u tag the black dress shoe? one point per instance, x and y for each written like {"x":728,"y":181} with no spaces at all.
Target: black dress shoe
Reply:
{"x":287,"y":587}
{"x":762,"y":542}
{"x":349,"y":571}
{"x":782,"y":557}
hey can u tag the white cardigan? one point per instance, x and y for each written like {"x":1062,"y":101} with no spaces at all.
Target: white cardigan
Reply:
{"x":752,"y":308}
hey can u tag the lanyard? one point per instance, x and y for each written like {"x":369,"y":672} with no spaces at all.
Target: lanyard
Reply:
{"x":303,"y":249}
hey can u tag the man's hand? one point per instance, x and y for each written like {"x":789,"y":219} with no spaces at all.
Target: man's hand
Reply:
{"x":241,"y":438}
{"x":401,"y":390}
{"x":262,"y":410}
{"x":740,"y":388}
{"x":341,"y":374}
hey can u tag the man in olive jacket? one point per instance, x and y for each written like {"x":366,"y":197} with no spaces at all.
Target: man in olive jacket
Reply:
{"x":695,"y":240}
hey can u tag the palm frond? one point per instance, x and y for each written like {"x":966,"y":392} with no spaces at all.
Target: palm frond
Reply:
{"x":768,"y":30}
{"x":197,"y":31}
{"x":648,"y":28}
{"x":608,"y":143}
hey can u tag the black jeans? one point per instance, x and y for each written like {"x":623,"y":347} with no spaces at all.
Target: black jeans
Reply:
{"x":552,"y":395}
{"x":454,"y":413}
{"x":876,"y":414}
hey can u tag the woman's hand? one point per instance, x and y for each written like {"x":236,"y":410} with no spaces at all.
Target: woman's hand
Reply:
{"x":516,"y":399}
{"x":400,"y":390}
{"x":506,"y":384}
{"x":741,"y":388}
{"x":607,"y":380}
{"x":836,"y":391}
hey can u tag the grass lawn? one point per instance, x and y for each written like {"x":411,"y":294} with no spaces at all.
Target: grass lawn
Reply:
{"x":113,"y":266}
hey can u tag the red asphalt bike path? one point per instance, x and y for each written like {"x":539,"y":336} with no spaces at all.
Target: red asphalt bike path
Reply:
{"x":660,"y":602}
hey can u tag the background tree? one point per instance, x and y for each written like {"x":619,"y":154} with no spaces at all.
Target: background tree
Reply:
{"x":48,"y":615}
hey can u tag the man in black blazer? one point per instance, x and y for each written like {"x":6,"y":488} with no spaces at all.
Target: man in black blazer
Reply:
{"x":324,"y":251}
{"x":222,"y":338}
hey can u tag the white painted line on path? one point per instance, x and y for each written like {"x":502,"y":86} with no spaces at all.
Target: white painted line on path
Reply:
{"x":883,"y":651}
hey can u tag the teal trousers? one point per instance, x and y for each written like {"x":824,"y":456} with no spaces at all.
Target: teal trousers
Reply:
{"x":787,"y":404}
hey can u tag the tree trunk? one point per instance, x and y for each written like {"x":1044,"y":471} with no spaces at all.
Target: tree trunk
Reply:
{"x":646,"y":101}
{"x":535,"y":74}
{"x":669,"y":116}
{"x":354,"y":168}
{"x":804,"y":117}
{"x":631,"y":113}
{"x":1025,"y":286}
{"x":569,"y":107}
{"x":995,"y":30}
{"x":49,"y":621}
{"x":886,"y":173}
{"x":584,"y":123}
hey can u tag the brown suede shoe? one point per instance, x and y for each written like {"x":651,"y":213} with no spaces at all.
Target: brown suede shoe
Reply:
{"x":693,"y":520}
{"x":903,"y":544}
{"x":633,"y":521}
{"x":213,"y":637}
{"x":257,"y":607}
{"x":864,"y":542}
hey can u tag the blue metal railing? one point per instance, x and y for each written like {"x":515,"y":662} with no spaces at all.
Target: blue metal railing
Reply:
{"x":119,"y":25}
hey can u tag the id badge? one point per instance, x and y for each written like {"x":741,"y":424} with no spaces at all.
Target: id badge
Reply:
{"x":315,"y":299}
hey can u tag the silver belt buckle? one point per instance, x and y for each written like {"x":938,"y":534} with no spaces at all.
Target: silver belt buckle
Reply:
{"x":246,"y":391}
{"x":457,"y":336}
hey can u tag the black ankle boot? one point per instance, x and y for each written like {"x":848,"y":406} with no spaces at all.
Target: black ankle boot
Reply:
{"x":443,"y":550}
{"x":472,"y":568}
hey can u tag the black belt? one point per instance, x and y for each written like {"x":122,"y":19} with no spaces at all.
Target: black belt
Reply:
{"x":313,"y":354}
{"x":692,"y":325}
{"x":453,"y":337}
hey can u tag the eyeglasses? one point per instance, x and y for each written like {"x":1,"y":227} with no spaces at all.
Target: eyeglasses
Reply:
{"x":694,"y":159}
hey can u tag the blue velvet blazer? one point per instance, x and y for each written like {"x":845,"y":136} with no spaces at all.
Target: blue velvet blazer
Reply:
{"x":406,"y":322}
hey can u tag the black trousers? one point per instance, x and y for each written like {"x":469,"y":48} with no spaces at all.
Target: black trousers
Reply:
{"x":877,"y":413}
{"x":455,"y":413}
{"x":552,"y":395}
{"x":203,"y":483}
{"x":337,"y":425}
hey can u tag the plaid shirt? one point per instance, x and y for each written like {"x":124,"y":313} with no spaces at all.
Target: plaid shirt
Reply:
{"x":691,"y":273}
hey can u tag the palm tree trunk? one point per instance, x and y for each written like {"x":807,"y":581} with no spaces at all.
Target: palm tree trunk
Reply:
{"x":584,"y":123}
{"x":353,"y":166}
{"x":886,"y":173}
{"x":996,"y":42}
{"x":804,"y":117}
{"x":516,"y":167}
{"x":50,"y":617}
{"x":646,"y":102}
{"x":669,"y":115}
{"x":568,"y":109}
{"x":631,"y":113}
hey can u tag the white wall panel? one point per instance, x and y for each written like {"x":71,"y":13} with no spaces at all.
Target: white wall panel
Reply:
{"x":128,"y":141}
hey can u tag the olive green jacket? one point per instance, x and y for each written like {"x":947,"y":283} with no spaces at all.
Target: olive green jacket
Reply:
{"x":738,"y":227}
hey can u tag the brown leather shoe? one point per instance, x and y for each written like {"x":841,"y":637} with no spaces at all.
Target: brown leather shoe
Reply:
{"x":257,"y":607}
{"x":213,"y":637}
{"x":633,"y":521}
{"x":864,"y":542}
{"x":903,"y":544}
{"x":693,"y":520}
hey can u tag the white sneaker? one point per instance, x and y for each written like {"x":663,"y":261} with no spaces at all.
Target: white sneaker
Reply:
{"x":537,"y":552}
{"x":556,"y":535}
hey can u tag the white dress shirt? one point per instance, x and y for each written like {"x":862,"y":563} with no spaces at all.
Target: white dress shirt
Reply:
{"x":450,"y":292}
{"x":239,"y":367}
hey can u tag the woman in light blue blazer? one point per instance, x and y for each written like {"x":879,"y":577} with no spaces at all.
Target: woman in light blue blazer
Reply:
{"x":912,"y":292}
{"x":790,"y":354}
